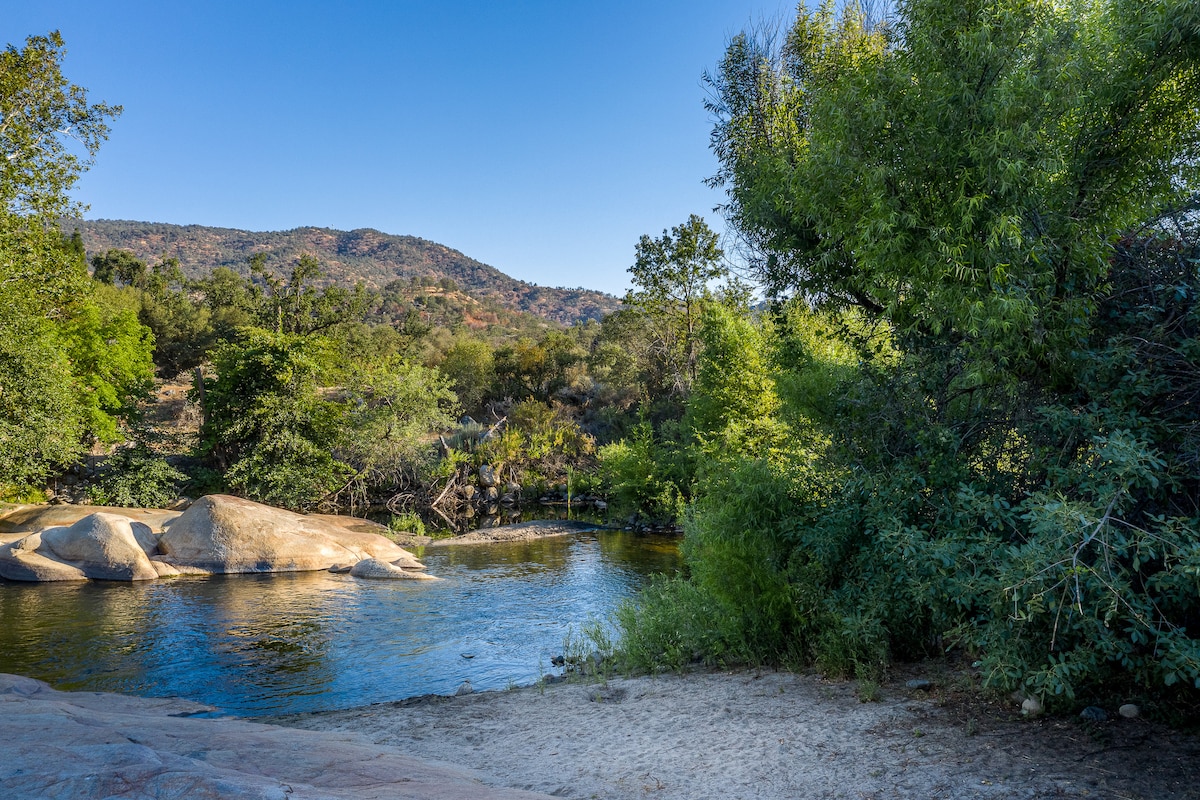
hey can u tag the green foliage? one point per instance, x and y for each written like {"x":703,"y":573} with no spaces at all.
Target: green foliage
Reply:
{"x":673,"y":624}
{"x":281,"y":435}
{"x":111,"y":351}
{"x":293,"y":304}
{"x":991,"y":439}
{"x":470,"y":366}
{"x":390,"y":411}
{"x":644,"y":473}
{"x":671,"y":277}
{"x":265,"y":423}
{"x":137,"y":477}
{"x":733,"y":402}
{"x":539,"y":443}
{"x":42,"y":422}
{"x":71,"y":364}
{"x":537,"y":370}
{"x":43,"y":116}
{"x":963,"y":171}
{"x":407,"y":522}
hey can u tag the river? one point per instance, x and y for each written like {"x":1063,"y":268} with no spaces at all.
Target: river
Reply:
{"x":255,"y":645}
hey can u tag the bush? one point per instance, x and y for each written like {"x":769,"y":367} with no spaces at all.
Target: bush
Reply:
{"x":137,"y":477}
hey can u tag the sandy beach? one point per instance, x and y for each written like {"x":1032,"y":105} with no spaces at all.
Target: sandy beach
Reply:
{"x":773,"y":735}
{"x":751,"y":734}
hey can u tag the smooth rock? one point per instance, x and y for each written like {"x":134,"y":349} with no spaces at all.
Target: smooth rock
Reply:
{"x":1093,"y":714}
{"x":224,"y":534}
{"x":98,"y":546}
{"x":1129,"y":711}
{"x":379,"y":569}
{"x":1031,"y":707}
{"x":28,"y":519}
{"x":919,"y":683}
{"x":67,"y":746}
{"x":487,"y":477}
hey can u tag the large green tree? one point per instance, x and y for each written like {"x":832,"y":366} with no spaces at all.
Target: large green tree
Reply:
{"x":672,"y":278}
{"x":961,"y":169}
{"x":72,"y":363}
{"x":993,"y":207}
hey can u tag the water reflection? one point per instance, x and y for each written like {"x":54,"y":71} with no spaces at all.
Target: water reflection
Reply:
{"x":261,"y":644}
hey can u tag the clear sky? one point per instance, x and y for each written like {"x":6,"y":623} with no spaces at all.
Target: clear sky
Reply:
{"x":542,"y":138}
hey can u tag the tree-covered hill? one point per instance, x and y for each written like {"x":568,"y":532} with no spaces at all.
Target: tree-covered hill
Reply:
{"x":347,"y":257}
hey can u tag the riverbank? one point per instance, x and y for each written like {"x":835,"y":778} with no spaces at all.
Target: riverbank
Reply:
{"x":745,"y":734}
{"x":775,"y":735}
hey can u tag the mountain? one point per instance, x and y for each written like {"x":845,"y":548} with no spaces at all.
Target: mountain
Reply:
{"x":347,"y":257}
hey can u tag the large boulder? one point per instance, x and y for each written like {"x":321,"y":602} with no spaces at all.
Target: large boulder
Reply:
{"x":28,"y":519}
{"x":224,"y":534}
{"x":99,"y":546}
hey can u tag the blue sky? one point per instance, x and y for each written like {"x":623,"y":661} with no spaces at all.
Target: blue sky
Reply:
{"x":542,"y":138}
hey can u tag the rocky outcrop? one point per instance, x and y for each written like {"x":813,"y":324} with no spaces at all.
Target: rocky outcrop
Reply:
{"x":93,"y":745}
{"x":218,"y":534}
{"x":224,"y":534}
{"x":28,"y":519}
{"x":101,"y":546}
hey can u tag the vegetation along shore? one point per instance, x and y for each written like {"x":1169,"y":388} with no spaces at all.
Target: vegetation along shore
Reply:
{"x":941,"y":404}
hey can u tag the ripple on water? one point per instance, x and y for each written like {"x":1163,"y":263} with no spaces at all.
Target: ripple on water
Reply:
{"x":272,"y":644}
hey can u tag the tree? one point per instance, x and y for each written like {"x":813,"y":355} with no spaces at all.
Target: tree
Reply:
{"x":118,"y":265}
{"x":469,"y":364}
{"x":43,"y":284}
{"x":992,"y":207}
{"x":267,"y":428}
{"x":295,"y":305}
{"x":963,"y":169}
{"x":672,"y":275}
{"x":40,"y":112}
{"x":733,"y":400}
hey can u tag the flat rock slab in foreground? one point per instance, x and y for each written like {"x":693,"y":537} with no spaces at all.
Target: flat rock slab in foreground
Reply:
{"x":85,"y":745}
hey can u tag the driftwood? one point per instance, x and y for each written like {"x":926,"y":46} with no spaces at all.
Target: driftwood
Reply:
{"x":440,"y":497}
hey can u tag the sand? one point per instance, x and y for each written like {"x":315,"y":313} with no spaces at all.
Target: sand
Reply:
{"x":773,"y":735}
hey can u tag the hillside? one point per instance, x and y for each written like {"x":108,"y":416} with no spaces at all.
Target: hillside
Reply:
{"x":348,"y":257}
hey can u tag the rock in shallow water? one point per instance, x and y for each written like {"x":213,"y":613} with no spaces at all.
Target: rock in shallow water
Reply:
{"x":379,"y":569}
{"x":99,"y":546}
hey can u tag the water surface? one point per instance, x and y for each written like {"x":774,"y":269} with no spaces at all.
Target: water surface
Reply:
{"x":269,"y":644}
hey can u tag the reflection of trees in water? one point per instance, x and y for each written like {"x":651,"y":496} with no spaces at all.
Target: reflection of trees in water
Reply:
{"x":643,"y":553}
{"x":274,"y":625}
{"x":67,"y":632}
{"x":532,"y":557}
{"x":303,"y":641}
